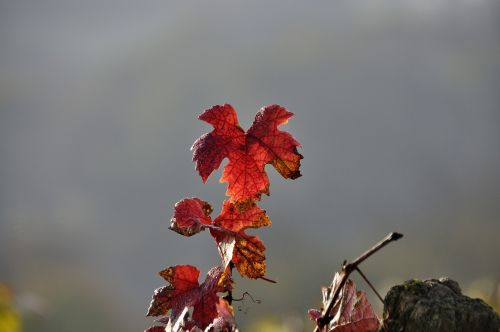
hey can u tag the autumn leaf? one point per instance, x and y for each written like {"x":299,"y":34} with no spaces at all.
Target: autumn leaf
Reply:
{"x":248,"y":252}
{"x":224,"y":322}
{"x":225,"y":244}
{"x":191,"y":215}
{"x":350,"y":313}
{"x":314,"y":314}
{"x":185,"y":291}
{"x":248,"y":152}
{"x":156,"y":329}
{"x":238,"y":217}
{"x":183,"y":279}
{"x":184,"y":304}
{"x":180,"y":325}
{"x":249,"y":256}
{"x":210,"y":149}
{"x":225,"y":319}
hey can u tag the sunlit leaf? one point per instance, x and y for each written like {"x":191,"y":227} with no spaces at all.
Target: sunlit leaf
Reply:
{"x":248,"y":152}
{"x":184,"y":291}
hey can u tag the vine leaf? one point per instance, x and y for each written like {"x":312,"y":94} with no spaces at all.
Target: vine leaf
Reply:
{"x":248,"y":152}
{"x":239,"y":217}
{"x":225,"y":319}
{"x":351,"y":312}
{"x":210,"y":149}
{"x":248,"y":254}
{"x":184,"y":304}
{"x":191,"y":215}
{"x":177,"y":326}
{"x":225,"y":245}
{"x":156,"y":329}
{"x":185,"y":291}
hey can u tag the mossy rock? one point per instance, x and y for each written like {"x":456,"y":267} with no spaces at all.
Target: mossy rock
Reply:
{"x":437,"y":306}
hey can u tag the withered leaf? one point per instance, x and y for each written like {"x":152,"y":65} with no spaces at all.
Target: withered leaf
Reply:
{"x":351,"y":312}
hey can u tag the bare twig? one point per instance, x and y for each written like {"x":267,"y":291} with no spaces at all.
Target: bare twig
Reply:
{"x":370,"y":284}
{"x":347,"y":269}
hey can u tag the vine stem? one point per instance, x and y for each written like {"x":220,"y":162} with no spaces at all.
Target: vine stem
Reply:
{"x":369,"y":284}
{"x":347,"y":269}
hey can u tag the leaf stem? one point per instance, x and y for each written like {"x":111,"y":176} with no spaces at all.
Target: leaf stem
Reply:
{"x":268,"y":280}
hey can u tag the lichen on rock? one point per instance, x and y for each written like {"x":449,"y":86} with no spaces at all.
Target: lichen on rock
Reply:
{"x":436,"y":305}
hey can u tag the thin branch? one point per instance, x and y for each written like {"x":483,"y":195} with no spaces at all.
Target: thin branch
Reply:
{"x":370,"y":284}
{"x":385,"y":241}
{"x":347,"y":269}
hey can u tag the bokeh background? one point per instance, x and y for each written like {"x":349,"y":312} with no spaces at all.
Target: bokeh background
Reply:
{"x":396,"y":105}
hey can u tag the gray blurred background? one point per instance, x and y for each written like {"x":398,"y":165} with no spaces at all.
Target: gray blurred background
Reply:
{"x":396,"y":105}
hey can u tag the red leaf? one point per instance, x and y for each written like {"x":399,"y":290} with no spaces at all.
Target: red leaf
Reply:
{"x":248,"y":152}
{"x":314,"y":314}
{"x":351,"y":312}
{"x":182,"y":279}
{"x":278,"y":147}
{"x":190,"y":214}
{"x":184,"y":291}
{"x":210,"y":149}
{"x":245,"y":251}
{"x":156,"y":329}
{"x":225,"y":318}
{"x":238,"y":217}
